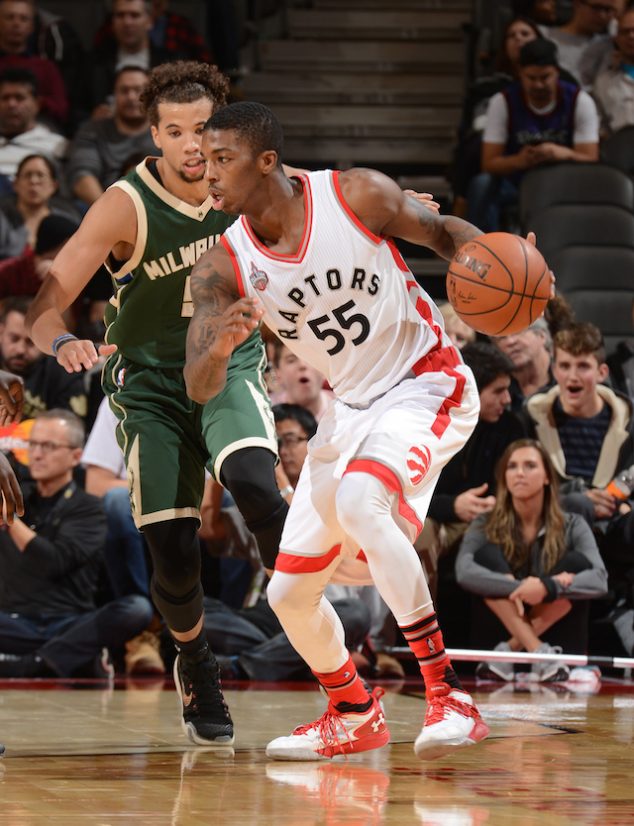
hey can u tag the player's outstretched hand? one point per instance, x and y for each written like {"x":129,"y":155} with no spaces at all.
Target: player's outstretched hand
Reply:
{"x":235,"y":326}
{"x":425,"y":199}
{"x":10,"y":493}
{"x":79,"y":354}
{"x":11,"y":398}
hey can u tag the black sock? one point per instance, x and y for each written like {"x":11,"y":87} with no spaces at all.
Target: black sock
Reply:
{"x":451,"y":678}
{"x":196,"y":649}
{"x":356,"y":708}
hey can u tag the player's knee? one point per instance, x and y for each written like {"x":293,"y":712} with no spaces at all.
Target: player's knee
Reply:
{"x":361,"y":502}
{"x":249,"y":476}
{"x":286,"y":596}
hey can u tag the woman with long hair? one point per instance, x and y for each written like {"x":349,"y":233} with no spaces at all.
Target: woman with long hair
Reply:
{"x":528,"y":559}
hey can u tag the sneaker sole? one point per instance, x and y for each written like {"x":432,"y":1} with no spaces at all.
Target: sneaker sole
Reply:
{"x":430,"y":750}
{"x":221,"y":742}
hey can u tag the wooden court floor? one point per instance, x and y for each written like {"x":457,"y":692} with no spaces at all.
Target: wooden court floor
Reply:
{"x":80,"y":755}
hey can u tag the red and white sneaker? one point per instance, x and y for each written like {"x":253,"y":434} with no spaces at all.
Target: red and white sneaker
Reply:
{"x":452,"y":721}
{"x":334,"y":734}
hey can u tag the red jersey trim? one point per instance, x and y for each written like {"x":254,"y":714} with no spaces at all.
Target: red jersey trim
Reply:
{"x":236,"y":266}
{"x":437,"y":360}
{"x":398,"y":258}
{"x":442,"y":417}
{"x":392,"y":483}
{"x":295,"y":257}
{"x":292,"y":564}
{"x":346,"y":208}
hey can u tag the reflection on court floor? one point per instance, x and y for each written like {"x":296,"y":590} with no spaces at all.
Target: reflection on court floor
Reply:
{"x":119,"y":757}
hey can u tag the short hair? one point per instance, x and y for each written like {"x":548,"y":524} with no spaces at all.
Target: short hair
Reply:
{"x":254,"y":122}
{"x":580,"y":339}
{"x":146,"y":3}
{"x":297,"y":413}
{"x":539,"y":52}
{"x":487,"y":362}
{"x":129,"y":67}
{"x":540,"y":325}
{"x":21,"y":77}
{"x":183,"y":81}
{"x":15,"y":304}
{"x":76,"y":428}
{"x":278,"y":347}
{"x":30,"y":3}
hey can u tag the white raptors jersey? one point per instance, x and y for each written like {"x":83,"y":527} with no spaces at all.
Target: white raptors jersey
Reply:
{"x":345,"y":302}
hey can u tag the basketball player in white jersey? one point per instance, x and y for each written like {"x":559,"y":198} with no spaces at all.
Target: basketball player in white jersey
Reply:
{"x":313,"y":257}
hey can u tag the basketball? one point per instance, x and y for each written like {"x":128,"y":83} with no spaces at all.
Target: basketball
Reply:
{"x":498,"y":283}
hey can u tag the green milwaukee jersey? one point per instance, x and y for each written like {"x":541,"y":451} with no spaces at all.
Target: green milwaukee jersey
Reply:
{"x":148,"y":315}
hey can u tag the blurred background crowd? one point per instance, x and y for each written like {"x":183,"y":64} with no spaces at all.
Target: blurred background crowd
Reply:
{"x":529,"y":544}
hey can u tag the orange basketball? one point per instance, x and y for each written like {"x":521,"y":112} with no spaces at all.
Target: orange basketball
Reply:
{"x":498,"y":283}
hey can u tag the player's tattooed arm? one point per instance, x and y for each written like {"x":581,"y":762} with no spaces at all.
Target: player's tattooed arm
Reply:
{"x":386,"y":210}
{"x":221,"y":321}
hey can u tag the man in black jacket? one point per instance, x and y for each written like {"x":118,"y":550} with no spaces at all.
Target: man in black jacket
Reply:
{"x":49,"y":566}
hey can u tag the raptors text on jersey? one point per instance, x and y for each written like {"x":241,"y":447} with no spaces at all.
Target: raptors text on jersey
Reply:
{"x":345,"y":301}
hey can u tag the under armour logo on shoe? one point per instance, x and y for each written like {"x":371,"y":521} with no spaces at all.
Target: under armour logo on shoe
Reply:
{"x":376,"y":724}
{"x":187,"y":698}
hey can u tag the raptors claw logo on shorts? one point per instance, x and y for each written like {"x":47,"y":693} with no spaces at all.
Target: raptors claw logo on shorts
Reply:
{"x":418,"y":462}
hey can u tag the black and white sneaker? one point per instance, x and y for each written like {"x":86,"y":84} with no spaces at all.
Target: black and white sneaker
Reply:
{"x":206,"y":718}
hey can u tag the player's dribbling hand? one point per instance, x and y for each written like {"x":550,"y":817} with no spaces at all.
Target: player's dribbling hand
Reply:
{"x":81,"y":354}
{"x":235,"y":326}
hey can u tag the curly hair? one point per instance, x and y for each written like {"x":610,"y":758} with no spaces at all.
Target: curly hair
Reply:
{"x":183,"y":81}
{"x":581,"y":339}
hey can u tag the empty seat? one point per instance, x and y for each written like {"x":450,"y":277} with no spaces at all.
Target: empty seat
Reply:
{"x":570,"y":225}
{"x":618,"y":150}
{"x":573,"y":183}
{"x":598,"y":282}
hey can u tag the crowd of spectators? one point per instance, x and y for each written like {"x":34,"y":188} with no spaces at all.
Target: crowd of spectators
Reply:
{"x":524,"y":530}
{"x":557,"y":90}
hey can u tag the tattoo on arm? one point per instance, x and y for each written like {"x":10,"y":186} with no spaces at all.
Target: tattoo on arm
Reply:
{"x":210,"y":297}
{"x":446,"y":233}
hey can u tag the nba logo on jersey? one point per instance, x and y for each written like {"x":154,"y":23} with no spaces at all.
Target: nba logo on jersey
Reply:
{"x":418,"y":462}
{"x":258,"y":278}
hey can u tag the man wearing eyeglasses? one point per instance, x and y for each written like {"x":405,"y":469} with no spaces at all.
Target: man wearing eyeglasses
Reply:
{"x":49,"y":566}
{"x":584,"y":42}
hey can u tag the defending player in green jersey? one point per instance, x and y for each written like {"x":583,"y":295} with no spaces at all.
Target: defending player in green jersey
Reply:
{"x":151,"y":228}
